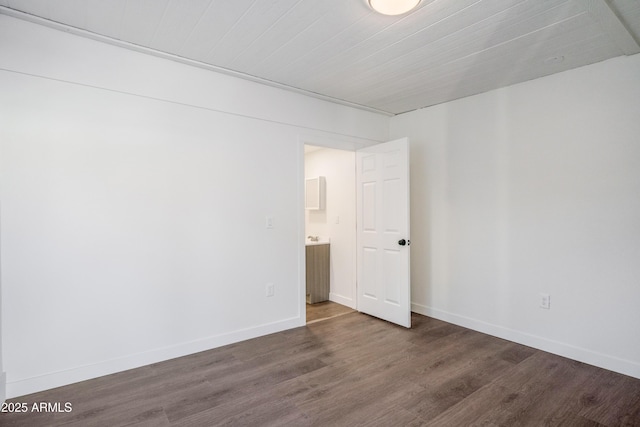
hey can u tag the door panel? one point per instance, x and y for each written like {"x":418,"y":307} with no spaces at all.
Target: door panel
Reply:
{"x":369,"y":206}
{"x":369,"y":285}
{"x":383,"y":220}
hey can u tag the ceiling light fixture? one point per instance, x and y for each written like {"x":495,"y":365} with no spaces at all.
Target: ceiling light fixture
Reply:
{"x":393,"y":7}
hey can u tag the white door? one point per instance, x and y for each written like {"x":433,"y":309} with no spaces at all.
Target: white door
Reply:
{"x":382,"y":176}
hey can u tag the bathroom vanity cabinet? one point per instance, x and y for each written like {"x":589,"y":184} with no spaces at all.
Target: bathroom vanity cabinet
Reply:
{"x":317,"y":273}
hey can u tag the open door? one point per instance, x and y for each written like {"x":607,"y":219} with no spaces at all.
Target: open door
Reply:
{"x":382,"y":176}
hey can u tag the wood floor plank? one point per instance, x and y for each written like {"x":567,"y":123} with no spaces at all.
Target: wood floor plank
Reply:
{"x":130,"y":417}
{"x":325,"y":310}
{"x":372,"y":401}
{"x":352,"y":370}
{"x":444,"y":393}
{"x":612,"y":400}
{"x":530,"y":392}
{"x":280,"y":413}
{"x":285,"y":391}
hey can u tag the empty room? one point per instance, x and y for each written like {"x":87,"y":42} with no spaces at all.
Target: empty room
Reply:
{"x":319,"y":212}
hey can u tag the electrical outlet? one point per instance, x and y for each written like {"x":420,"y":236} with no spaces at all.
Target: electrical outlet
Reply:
{"x":269,"y":290}
{"x":545,"y":301}
{"x":269,"y":222}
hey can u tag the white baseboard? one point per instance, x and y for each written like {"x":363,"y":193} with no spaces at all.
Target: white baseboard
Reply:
{"x":349,"y":302}
{"x":56,"y":379}
{"x":612,"y":363}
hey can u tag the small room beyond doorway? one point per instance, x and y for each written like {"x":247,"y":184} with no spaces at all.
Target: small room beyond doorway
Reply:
{"x":330,"y":231}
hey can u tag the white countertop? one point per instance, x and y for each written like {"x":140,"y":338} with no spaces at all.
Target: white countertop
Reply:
{"x":321,"y":241}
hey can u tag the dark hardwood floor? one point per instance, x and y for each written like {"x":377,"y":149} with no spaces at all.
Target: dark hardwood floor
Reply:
{"x":352,"y":370}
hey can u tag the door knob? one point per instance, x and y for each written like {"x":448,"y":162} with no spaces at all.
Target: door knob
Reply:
{"x":403,"y":242}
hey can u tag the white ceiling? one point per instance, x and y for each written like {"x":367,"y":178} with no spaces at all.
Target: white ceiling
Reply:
{"x":341,"y":49}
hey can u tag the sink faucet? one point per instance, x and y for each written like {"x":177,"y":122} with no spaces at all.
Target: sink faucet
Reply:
{"x":313,"y":238}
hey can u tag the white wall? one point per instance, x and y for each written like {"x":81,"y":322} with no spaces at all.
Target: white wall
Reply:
{"x":3,"y":376}
{"x":338,"y":219}
{"x":134,"y":192}
{"x":533,"y":189}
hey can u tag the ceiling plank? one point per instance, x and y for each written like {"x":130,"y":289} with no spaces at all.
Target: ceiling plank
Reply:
{"x":391,"y":31}
{"x":453,"y":42}
{"x":317,"y":58}
{"x":72,"y":12}
{"x":105,"y":17}
{"x":179,"y":19}
{"x":459,"y":84}
{"x":297,"y":33}
{"x":629,"y":13}
{"x":249,"y":28}
{"x":212,"y":27}
{"x":141,"y":19}
{"x":609,"y":21}
{"x":33,"y":7}
{"x":569,"y":36}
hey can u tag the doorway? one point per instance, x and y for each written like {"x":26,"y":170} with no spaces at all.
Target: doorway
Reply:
{"x":335,"y":224}
{"x":377,"y":256}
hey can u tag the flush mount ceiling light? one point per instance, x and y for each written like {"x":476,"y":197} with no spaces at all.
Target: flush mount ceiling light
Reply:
{"x":393,"y":7}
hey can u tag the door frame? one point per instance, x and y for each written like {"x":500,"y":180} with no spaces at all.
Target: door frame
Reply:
{"x":337,"y":143}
